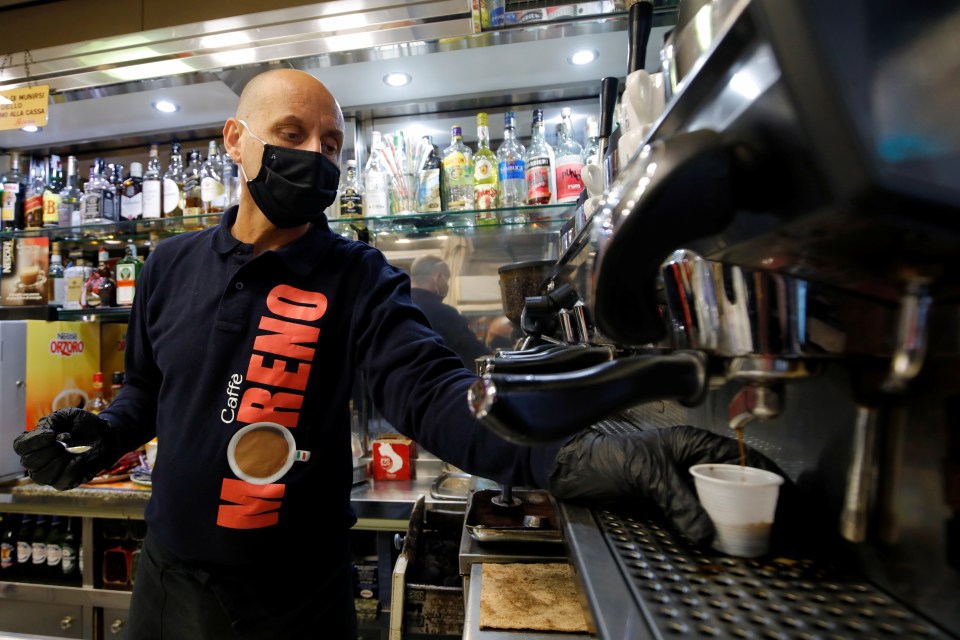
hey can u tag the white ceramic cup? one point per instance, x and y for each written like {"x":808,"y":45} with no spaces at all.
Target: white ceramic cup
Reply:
{"x":263,"y":452}
{"x":592,"y":176}
{"x":741,"y":502}
{"x":643,"y":98}
{"x":630,"y":142}
{"x":590,"y":205}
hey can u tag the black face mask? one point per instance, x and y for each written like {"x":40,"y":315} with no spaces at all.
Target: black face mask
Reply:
{"x":293,"y":186}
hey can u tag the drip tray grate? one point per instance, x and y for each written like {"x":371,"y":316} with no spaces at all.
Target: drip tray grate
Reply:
{"x":685,"y":591}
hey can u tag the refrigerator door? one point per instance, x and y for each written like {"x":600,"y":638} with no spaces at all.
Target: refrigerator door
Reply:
{"x":13,"y":394}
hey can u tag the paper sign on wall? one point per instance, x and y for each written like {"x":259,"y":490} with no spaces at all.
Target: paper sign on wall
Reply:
{"x":24,"y":106}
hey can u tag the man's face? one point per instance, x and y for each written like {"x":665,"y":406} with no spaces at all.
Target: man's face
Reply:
{"x":295,"y":112}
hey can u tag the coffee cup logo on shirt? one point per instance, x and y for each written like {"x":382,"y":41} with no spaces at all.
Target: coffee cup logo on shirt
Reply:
{"x":263,"y":452}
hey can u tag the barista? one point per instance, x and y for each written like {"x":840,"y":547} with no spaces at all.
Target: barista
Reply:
{"x":274,"y":302}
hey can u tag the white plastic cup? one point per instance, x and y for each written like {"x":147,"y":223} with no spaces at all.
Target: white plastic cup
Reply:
{"x":741,"y":502}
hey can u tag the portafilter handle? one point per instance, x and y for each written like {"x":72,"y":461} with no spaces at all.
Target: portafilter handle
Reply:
{"x":529,"y":409}
{"x":565,"y":358}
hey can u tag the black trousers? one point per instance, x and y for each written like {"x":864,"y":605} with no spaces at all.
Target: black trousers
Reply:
{"x":173,"y":600}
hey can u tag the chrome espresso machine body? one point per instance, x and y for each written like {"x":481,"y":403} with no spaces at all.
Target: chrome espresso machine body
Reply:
{"x":780,"y":255}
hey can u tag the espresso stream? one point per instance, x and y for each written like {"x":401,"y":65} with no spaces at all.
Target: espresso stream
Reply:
{"x":743,"y":450}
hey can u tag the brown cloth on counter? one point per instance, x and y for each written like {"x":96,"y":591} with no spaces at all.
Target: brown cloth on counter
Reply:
{"x":530,"y":596}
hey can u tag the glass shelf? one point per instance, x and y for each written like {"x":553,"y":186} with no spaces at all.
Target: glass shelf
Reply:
{"x":527,"y":218}
{"x":50,"y":313}
{"x":127,"y":229}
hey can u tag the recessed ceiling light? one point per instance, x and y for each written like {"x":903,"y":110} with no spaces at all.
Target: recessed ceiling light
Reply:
{"x":30,"y":128}
{"x":166,"y":106}
{"x":397,"y":79}
{"x":583,"y":56}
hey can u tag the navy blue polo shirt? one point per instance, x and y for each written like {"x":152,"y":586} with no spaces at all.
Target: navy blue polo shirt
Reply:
{"x":219,"y":339}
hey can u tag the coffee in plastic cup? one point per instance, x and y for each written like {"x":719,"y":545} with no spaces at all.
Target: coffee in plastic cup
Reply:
{"x":741,"y":502}
{"x":263,"y":452}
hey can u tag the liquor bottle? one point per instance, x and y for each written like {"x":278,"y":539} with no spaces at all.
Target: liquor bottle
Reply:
{"x":485,"y":174}
{"x":173,"y":184}
{"x":69,"y":552}
{"x":11,"y":212}
{"x":192,"y":200}
{"x":213,"y":193}
{"x":97,"y":402}
{"x":376,"y":182}
{"x":538,"y":165}
{"x":71,"y":196}
{"x":115,"y":177}
{"x":512,"y":170}
{"x":351,"y":193}
{"x":98,"y":199}
{"x":24,"y":544}
{"x":591,"y":146}
{"x":51,"y":192}
{"x":569,"y":156}
{"x":128,"y":270}
{"x":152,"y":186}
{"x":110,"y":201}
{"x":100,"y":289}
{"x":33,"y":202}
{"x":116,"y":383}
{"x":38,"y":547}
{"x":430,"y":197}
{"x":131,"y":194}
{"x":56,"y":282}
{"x":458,"y":172}
{"x":8,"y":548}
{"x":55,"y":548}
{"x":76,"y":274}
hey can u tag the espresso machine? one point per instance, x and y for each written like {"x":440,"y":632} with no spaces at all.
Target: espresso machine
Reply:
{"x":778,"y":257}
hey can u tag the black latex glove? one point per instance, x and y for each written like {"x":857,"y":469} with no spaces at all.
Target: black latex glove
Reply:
{"x":47,"y":460}
{"x":652,"y":465}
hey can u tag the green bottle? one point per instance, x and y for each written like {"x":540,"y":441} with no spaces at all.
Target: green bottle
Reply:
{"x":69,"y":552}
{"x":128,"y":271}
{"x":55,"y":547}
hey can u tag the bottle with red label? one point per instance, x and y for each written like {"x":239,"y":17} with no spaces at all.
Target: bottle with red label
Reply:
{"x":97,"y":402}
{"x":33,"y":202}
{"x":100,"y":289}
{"x":569,"y":160}
{"x":539,"y":166}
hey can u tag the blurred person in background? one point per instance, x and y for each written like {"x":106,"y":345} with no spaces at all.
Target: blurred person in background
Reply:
{"x":430,"y":284}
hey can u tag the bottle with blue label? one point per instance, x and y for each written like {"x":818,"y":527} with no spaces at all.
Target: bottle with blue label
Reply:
{"x":512,"y":171}
{"x":429,"y":189}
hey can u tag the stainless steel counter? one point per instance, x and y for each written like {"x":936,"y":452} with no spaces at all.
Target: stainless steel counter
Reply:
{"x":387,"y":504}
{"x":379,"y":505}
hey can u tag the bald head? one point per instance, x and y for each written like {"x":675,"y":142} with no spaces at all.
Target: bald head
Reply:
{"x":264,"y":90}
{"x":431,"y":273}
{"x":286,"y":108}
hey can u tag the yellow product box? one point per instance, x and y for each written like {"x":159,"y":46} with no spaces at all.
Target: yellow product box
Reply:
{"x":23,"y":271}
{"x":61,"y":360}
{"x":113,"y":347}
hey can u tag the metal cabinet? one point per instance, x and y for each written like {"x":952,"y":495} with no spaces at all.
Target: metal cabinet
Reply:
{"x":56,"y":619}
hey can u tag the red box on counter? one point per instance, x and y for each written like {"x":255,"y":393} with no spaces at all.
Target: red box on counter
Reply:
{"x":393,"y":456}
